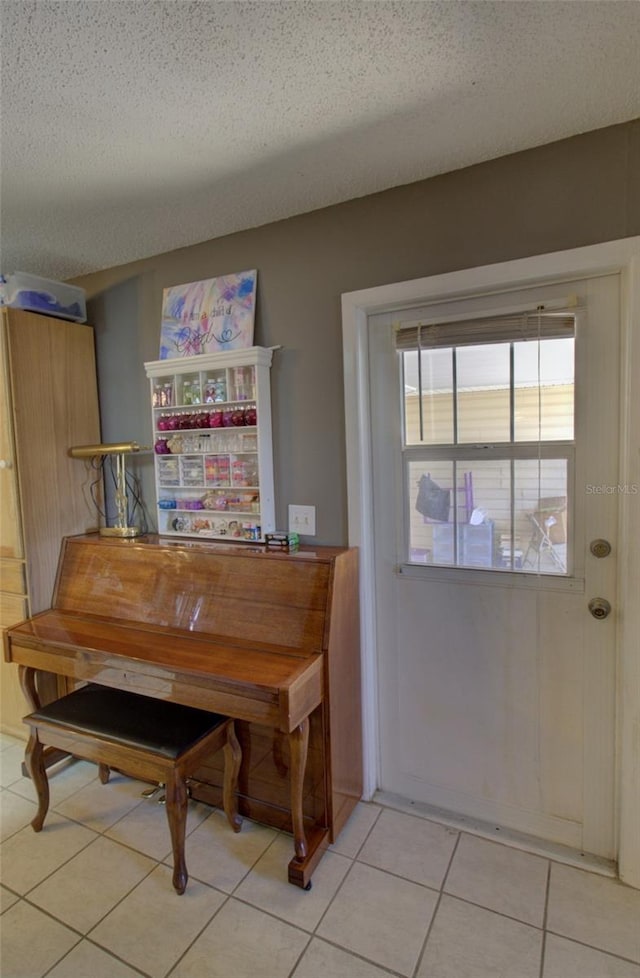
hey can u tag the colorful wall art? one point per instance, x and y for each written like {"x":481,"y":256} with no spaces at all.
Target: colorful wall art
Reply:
{"x":209,"y":316}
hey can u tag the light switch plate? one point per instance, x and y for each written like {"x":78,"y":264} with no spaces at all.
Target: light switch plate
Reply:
{"x":302,"y":520}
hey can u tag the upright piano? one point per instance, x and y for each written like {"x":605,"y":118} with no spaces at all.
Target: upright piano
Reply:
{"x":269,"y":638}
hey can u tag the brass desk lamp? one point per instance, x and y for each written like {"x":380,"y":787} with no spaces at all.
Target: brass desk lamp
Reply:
{"x":121,"y":527}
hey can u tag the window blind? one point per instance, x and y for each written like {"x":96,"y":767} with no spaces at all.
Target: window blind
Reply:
{"x":515,"y":327}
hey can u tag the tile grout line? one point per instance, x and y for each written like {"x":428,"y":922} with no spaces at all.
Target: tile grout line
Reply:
{"x":437,"y":906}
{"x":99,"y":947}
{"x":59,"y":961}
{"x":496,"y":913}
{"x":228,"y":898}
{"x":543,"y":945}
{"x":311,"y":934}
{"x":232,"y":893}
{"x":511,"y":839}
{"x":98,"y":834}
{"x":300,"y":957}
{"x":81,"y":937}
{"x":353,"y":860}
{"x":593,"y":947}
{"x":453,"y":896}
{"x":356,"y":954}
{"x":54,"y":809}
{"x":397,"y":876}
{"x":158,"y":863}
{"x":200,"y":932}
{"x":66,"y":765}
{"x":48,"y":913}
{"x":424,"y":886}
{"x":65,"y":862}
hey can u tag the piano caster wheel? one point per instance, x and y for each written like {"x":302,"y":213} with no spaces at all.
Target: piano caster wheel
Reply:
{"x":308,"y":886}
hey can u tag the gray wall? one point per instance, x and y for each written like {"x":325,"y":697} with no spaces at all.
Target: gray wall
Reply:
{"x":568,"y":194}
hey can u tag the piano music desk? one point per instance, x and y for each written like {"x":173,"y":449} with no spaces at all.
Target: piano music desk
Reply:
{"x":268,"y":638}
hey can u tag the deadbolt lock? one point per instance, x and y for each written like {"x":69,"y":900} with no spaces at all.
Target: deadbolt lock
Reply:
{"x":599,"y":608}
{"x":600,"y":548}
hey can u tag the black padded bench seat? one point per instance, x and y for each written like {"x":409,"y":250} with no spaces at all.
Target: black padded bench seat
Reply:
{"x":130,"y":719}
{"x":145,"y":737}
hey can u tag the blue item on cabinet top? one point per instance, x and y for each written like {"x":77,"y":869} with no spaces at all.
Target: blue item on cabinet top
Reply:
{"x":43,"y":295}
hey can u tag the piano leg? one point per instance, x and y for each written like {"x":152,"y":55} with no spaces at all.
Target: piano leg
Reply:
{"x":308,"y":846}
{"x":278,"y":758}
{"x":176,"y":793}
{"x":232,"y":762}
{"x":298,"y":743}
{"x":27,"y":677}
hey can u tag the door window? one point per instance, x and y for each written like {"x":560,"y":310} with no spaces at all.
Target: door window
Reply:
{"x":488,"y":441}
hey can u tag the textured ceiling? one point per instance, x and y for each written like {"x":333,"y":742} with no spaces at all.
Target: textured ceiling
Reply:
{"x":132,"y":127}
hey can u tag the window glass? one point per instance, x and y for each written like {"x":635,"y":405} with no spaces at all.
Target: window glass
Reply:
{"x":430,"y":494}
{"x":541,"y":515}
{"x":500,"y":514}
{"x":460,"y":509}
{"x":483,"y":396}
{"x":543,"y":394}
{"x":436,"y":380}
{"x":488,"y":442}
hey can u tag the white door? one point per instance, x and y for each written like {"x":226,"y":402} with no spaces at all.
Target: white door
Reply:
{"x":496,"y":684}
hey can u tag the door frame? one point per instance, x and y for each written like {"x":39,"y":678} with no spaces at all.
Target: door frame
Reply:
{"x":623,"y":257}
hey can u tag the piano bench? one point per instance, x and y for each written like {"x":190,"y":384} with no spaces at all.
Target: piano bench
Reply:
{"x":145,"y":737}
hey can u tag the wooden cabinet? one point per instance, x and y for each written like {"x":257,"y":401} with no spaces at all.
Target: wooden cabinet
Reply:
{"x":212,"y":439}
{"x":48,"y":402}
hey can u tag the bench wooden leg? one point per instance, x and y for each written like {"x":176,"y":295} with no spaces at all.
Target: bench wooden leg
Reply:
{"x":176,"y":796}
{"x":104,"y":772}
{"x":232,"y":762}
{"x":34,"y":761}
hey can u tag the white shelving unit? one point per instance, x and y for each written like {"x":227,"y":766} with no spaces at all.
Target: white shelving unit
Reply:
{"x":212,"y":440}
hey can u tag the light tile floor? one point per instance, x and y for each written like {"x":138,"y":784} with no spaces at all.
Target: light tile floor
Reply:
{"x":91,"y":897}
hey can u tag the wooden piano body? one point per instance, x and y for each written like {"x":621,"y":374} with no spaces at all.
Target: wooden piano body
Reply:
{"x":269,"y":638}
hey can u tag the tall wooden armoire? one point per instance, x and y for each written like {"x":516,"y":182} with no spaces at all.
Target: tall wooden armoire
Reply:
{"x":48,"y":402}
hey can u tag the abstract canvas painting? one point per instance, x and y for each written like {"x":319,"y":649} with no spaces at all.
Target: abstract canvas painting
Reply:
{"x":208,"y":316}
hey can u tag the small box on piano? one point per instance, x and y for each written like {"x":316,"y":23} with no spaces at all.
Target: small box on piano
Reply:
{"x":282,"y":541}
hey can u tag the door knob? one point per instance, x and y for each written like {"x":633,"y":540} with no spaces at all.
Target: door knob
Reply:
{"x":599,"y":607}
{"x":600,"y":548}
